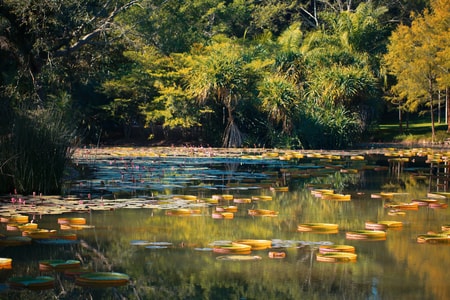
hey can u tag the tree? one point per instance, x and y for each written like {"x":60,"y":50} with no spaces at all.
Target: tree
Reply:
{"x":49,"y":49}
{"x":413,"y":57}
{"x":276,"y":16}
{"x":279,"y":100}
{"x":220,"y":73}
{"x":169,"y":105}
{"x":442,"y":41}
{"x":339,"y":79}
{"x":281,"y":86}
{"x":129,"y":89}
{"x":40,"y":36}
{"x":337,"y":72}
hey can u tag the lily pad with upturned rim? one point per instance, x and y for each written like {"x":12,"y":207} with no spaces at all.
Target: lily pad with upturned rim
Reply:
{"x":102,"y":279}
{"x":32,"y":283}
{"x":239,"y":257}
{"x":58,"y":265}
{"x":335,"y":257}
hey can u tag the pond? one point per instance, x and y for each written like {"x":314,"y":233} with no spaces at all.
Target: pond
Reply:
{"x":167,"y":219}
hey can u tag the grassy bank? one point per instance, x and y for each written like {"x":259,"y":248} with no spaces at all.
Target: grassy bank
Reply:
{"x":416,"y":131}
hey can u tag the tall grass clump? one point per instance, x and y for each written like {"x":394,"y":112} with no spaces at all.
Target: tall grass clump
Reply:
{"x":36,"y":152}
{"x":330,"y":128}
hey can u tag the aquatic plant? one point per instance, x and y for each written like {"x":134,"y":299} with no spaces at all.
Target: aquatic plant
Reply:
{"x":36,"y":154}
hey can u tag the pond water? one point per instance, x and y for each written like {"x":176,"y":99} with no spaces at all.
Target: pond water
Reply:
{"x":154,"y":217}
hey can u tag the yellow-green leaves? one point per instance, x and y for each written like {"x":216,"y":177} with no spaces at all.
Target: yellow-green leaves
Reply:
{"x":416,"y":57}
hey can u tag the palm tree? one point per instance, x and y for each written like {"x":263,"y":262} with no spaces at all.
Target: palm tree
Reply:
{"x":279,"y":99}
{"x":219,"y":72}
{"x":339,"y":78}
{"x":288,"y":58}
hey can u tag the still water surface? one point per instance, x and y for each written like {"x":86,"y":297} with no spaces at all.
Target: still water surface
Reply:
{"x":145,"y":189}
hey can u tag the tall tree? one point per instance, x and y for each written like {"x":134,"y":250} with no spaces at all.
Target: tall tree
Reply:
{"x":42,"y":36}
{"x":413,"y":57}
{"x":168,"y":104}
{"x":47,"y":49}
{"x":220,"y":73}
{"x":280,"y":89}
{"x":440,"y":23}
{"x":339,"y":71}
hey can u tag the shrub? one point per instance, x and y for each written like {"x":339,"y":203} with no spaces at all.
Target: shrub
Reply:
{"x":36,"y":152}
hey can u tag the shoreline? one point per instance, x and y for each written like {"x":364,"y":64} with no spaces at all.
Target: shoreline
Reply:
{"x":200,"y":151}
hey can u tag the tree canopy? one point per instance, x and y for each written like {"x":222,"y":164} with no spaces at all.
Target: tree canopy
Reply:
{"x":416,"y":57}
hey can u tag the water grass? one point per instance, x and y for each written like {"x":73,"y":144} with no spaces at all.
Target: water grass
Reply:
{"x":36,"y":153}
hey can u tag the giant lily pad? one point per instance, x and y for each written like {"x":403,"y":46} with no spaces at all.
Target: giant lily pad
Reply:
{"x":32,"y":283}
{"x":102,"y":279}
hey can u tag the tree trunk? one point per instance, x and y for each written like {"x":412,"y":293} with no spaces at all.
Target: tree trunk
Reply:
{"x":431,"y":109}
{"x":439,"y":107}
{"x":447,"y":107}
{"x":232,"y":136}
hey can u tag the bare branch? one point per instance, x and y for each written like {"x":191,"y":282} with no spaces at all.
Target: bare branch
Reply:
{"x":102,"y":27}
{"x":314,"y":17}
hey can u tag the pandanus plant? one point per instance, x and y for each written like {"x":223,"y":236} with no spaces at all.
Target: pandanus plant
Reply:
{"x":220,"y":73}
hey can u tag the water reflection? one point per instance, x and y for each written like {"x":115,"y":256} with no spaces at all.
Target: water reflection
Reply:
{"x":395,"y":268}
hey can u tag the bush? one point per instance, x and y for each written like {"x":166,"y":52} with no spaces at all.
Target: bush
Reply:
{"x":35,"y":153}
{"x":324,"y":128}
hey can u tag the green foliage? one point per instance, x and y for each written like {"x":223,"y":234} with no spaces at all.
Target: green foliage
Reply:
{"x":239,"y":71}
{"x":323,"y":128}
{"x":174,"y":109}
{"x":129,"y":93}
{"x":275,"y":16}
{"x":362,"y":29}
{"x":172,"y":26}
{"x":279,"y":99}
{"x":219,"y":73}
{"x":54,"y":53}
{"x":414,"y":58}
{"x":36,"y":154}
{"x":417,"y":132}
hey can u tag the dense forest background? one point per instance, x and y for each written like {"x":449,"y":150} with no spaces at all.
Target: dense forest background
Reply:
{"x":292,"y":74}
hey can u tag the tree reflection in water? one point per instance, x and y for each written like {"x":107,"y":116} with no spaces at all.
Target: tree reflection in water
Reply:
{"x":395,"y":268}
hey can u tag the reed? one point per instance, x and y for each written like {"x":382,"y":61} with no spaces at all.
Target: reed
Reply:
{"x":36,"y":152}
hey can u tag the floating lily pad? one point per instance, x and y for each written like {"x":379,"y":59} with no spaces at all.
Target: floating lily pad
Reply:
{"x":58,"y":265}
{"x":102,"y":279}
{"x":239,"y":257}
{"x":336,"y":248}
{"x":53,"y":241}
{"x":139,"y":243}
{"x":206,"y":249}
{"x":318,"y":227}
{"x":5,"y":263}
{"x":156,"y":247}
{"x":32,"y":283}
{"x":335,"y":257}
{"x":366,"y":235}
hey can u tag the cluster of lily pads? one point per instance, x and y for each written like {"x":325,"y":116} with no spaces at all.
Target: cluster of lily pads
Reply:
{"x":28,"y":233}
{"x":136,"y":178}
{"x":436,"y":200}
{"x":442,"y":237}
{"x":70,"y":270}
{"x":139,"y":171}
{"x":144,"y":175}
{"x":242,"y":249}
{"x":22,"y":232}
